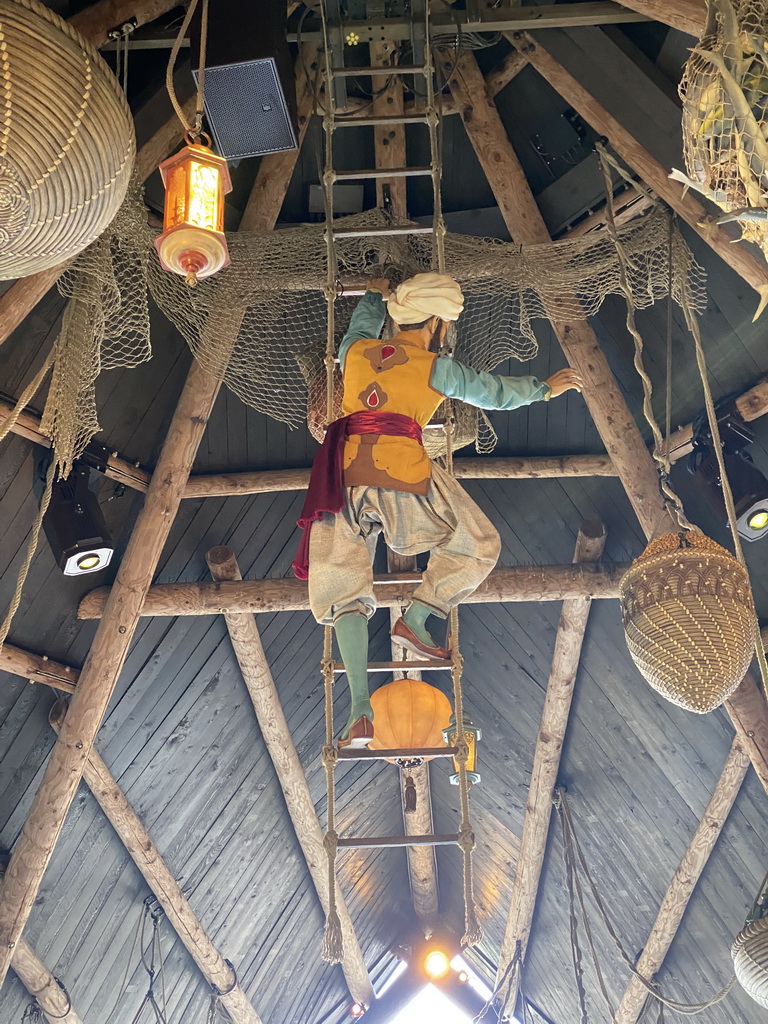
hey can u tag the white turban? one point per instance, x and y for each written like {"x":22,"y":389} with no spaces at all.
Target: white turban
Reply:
{"x":424,"y":296}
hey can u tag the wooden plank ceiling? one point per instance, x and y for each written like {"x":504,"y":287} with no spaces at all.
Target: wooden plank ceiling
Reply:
{"x":180,"y":737}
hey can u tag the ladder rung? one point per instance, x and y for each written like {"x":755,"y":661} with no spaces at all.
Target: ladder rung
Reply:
{"x":366,"y":754}
{"x":381,"y":842}
{"x":384,"y":172}
{"x":382,"y":120}
{"x":401,"y":666}
{"x":404,"y":229}
{"x":396,"y":69}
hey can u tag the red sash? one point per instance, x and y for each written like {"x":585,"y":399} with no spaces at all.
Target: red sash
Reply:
{"x":326,"y":482}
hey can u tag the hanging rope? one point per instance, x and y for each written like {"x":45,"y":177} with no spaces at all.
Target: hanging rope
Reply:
{"x":333,"y":941}
{"x":193,"y":131}
{"x":576,"y":870}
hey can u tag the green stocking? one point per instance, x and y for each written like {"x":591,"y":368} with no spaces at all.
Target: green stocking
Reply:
{"x":352,"y":637}
{"x":415,"y":617}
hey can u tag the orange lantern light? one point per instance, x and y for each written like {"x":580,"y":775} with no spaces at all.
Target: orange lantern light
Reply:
{"x":409,"y":714}
{"x":472,"y":734}
{"x":193,"y":243}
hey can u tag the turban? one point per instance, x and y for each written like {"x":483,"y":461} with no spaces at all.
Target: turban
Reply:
{"x":424,"y":296}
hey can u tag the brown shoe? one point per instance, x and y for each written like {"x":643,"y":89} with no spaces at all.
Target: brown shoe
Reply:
{"x":404,"y":635}
{"x":360,"y":734}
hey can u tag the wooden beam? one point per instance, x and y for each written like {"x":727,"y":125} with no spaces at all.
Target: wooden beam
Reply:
{"x":23,"y":295}
{"x":158,"y":877}
{"x":254,"y":667}
{"x":609,"y":410}
{"x":687,"y":15}
{"x":499,"y":77}
{"x":748,"y":711}
{"x":683,"y":883}
{"x":517,"y":583}
{"x":751,"y":405}
{"x":389,"y":140}
{"x":37,"y":668}
{"x":97,"y":21}
{"x":274,"y":175}
{"x":546,"y":762}
{"x":42,"y":986}
{"x":737,"y":256}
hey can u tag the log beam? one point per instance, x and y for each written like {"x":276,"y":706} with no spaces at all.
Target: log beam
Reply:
{"x":158,"y":877}
{"x":546,"y":761}
{"x":751,"y":406}
{"x":517,"y":583}
{"x":37,"y":668}
{"x":43,"y":986}
{"x":737,"y":256}
{"x":97,"y":21}
{"x":389,"y":140}
{"x":609,"y":410}
{"x":683,"y":883}
{"x":687,"y":15}
{"x":246,"y":642}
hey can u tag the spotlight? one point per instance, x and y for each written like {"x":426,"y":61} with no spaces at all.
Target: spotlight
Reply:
{"x":463,"y":977}
{"x":436,"y":964}
{"x":75,"y":526}
{"x":356,"y":1010}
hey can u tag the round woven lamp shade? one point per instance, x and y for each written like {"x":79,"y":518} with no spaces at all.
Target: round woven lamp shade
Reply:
{"x":689,"y":620}
{"x":409,"y":714}
{"x":750,"y":960}
{"x":67,"y":144}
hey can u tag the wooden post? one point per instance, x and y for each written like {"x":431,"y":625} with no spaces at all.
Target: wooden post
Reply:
{"x":158,"y":877}
{"x":546,"y":762}
{"x":516,"y":583}
{"x":389,"y":140}
{"x":254,"y":666}
{"x":738,"y":257}
{"x":42,"y":986}
{"x":37,"y":668}
{"x":604,"y":399}
{"x":687,"y":15}
{"x":684,"y":882}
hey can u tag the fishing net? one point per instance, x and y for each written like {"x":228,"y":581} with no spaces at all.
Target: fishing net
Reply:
{"x":725,"y":114}
{"x":260,"y":324}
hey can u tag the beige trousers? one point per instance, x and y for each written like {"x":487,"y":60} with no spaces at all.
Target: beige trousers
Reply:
{"x":463,"y":542}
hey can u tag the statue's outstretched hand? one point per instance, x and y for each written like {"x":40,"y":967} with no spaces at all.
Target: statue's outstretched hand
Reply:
{"x":379,"y":284}
{"x":562,"y":381}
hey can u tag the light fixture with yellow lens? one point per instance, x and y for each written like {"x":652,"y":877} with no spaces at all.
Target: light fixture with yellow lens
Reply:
{"x":88,"y":563}
{"x":758,"y":520}
{"x":436,"y":964}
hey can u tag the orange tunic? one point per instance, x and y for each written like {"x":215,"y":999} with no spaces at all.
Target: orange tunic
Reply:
{"x":389,"y":376}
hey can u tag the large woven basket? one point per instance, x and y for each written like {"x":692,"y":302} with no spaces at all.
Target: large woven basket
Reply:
{"x":67,"y":144}
{"x":689,"y":619}
{"x":750,"y":960}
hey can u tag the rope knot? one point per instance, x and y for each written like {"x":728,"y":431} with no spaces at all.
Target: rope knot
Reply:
{"x":466,"y":838}
{"x":331,"y":843}
{"x":330,"y":756}
{"x":462,"y":752}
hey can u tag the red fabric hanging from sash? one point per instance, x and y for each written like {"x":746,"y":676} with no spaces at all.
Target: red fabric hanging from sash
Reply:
{"x":326,"y":482}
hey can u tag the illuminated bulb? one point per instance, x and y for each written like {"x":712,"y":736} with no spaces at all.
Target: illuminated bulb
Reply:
{"x":356,"y":1010}
{"x":463,"y":977}
{"x":352,"y":38}
{"x":436,"y":964}
{"x":758,"y":520}
{"x":192,"y":243}
{"x":88,"y":563}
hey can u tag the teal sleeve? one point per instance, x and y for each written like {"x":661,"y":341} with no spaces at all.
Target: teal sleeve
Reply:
{"x":485,"y":390}
{"x":367,"y":321}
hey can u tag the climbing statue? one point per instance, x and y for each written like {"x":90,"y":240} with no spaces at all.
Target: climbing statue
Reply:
{"x":372,"y":475}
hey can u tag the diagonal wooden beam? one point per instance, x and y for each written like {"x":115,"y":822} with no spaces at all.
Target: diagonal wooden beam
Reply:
{"x":100,"y":672}
{"x":249,"y":651}
{"x":500,"y":76}
{"x":37,"y":668}
{"x":148,"y":860}
{"x":23,"y":295}
{"x":43,"y":986}
{"x":546,"y":762}
{"x":684,"y":882}
{"x":737,"y":256}
{"x":515,"y":583}
{"x":687,"y":15}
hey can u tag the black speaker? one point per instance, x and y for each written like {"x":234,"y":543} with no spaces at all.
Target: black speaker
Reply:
{"x":250,"y":89}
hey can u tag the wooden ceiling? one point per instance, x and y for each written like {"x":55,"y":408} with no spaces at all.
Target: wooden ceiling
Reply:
{"x":180,"y":739}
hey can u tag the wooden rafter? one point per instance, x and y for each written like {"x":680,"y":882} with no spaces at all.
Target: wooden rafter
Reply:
{"x":687,"y":15}
{"x":98,"y":20}
{"x":249,"y":651}
{"x":37,"y":668}
{"x":389,"y":140}
{"x":147,"y":858}
{"x":42,"y":986}
{"x":100,"y":672}
{"x":684,"y":882}
{"x":546,"y":760}
{"x":516,"y":583}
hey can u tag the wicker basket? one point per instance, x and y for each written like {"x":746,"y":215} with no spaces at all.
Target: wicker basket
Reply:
{"x":750,"y":960}
{"x":689,"y":619}
{"x":67,"y":145}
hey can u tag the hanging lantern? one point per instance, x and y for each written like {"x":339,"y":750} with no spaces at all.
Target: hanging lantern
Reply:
{"x":193,"y":243}
{"x":689,"y":620}
{"x":472,"y":734}
{"x":409,"y":714}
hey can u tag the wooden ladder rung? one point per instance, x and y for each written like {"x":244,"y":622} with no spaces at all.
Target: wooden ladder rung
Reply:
{"x":381,"y":120}
{"x":396,"y":69}
{"x":384,"y":172}
{"x":366,"y":754}
{"x":400,"y":666}
{"x":404,"y":229}
{"x":382,"y":842}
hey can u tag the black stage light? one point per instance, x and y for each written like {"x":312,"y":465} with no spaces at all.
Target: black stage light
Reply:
{"x":74,"y":524}
{"x":748,"y":484}
{"x":250,"y":85}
